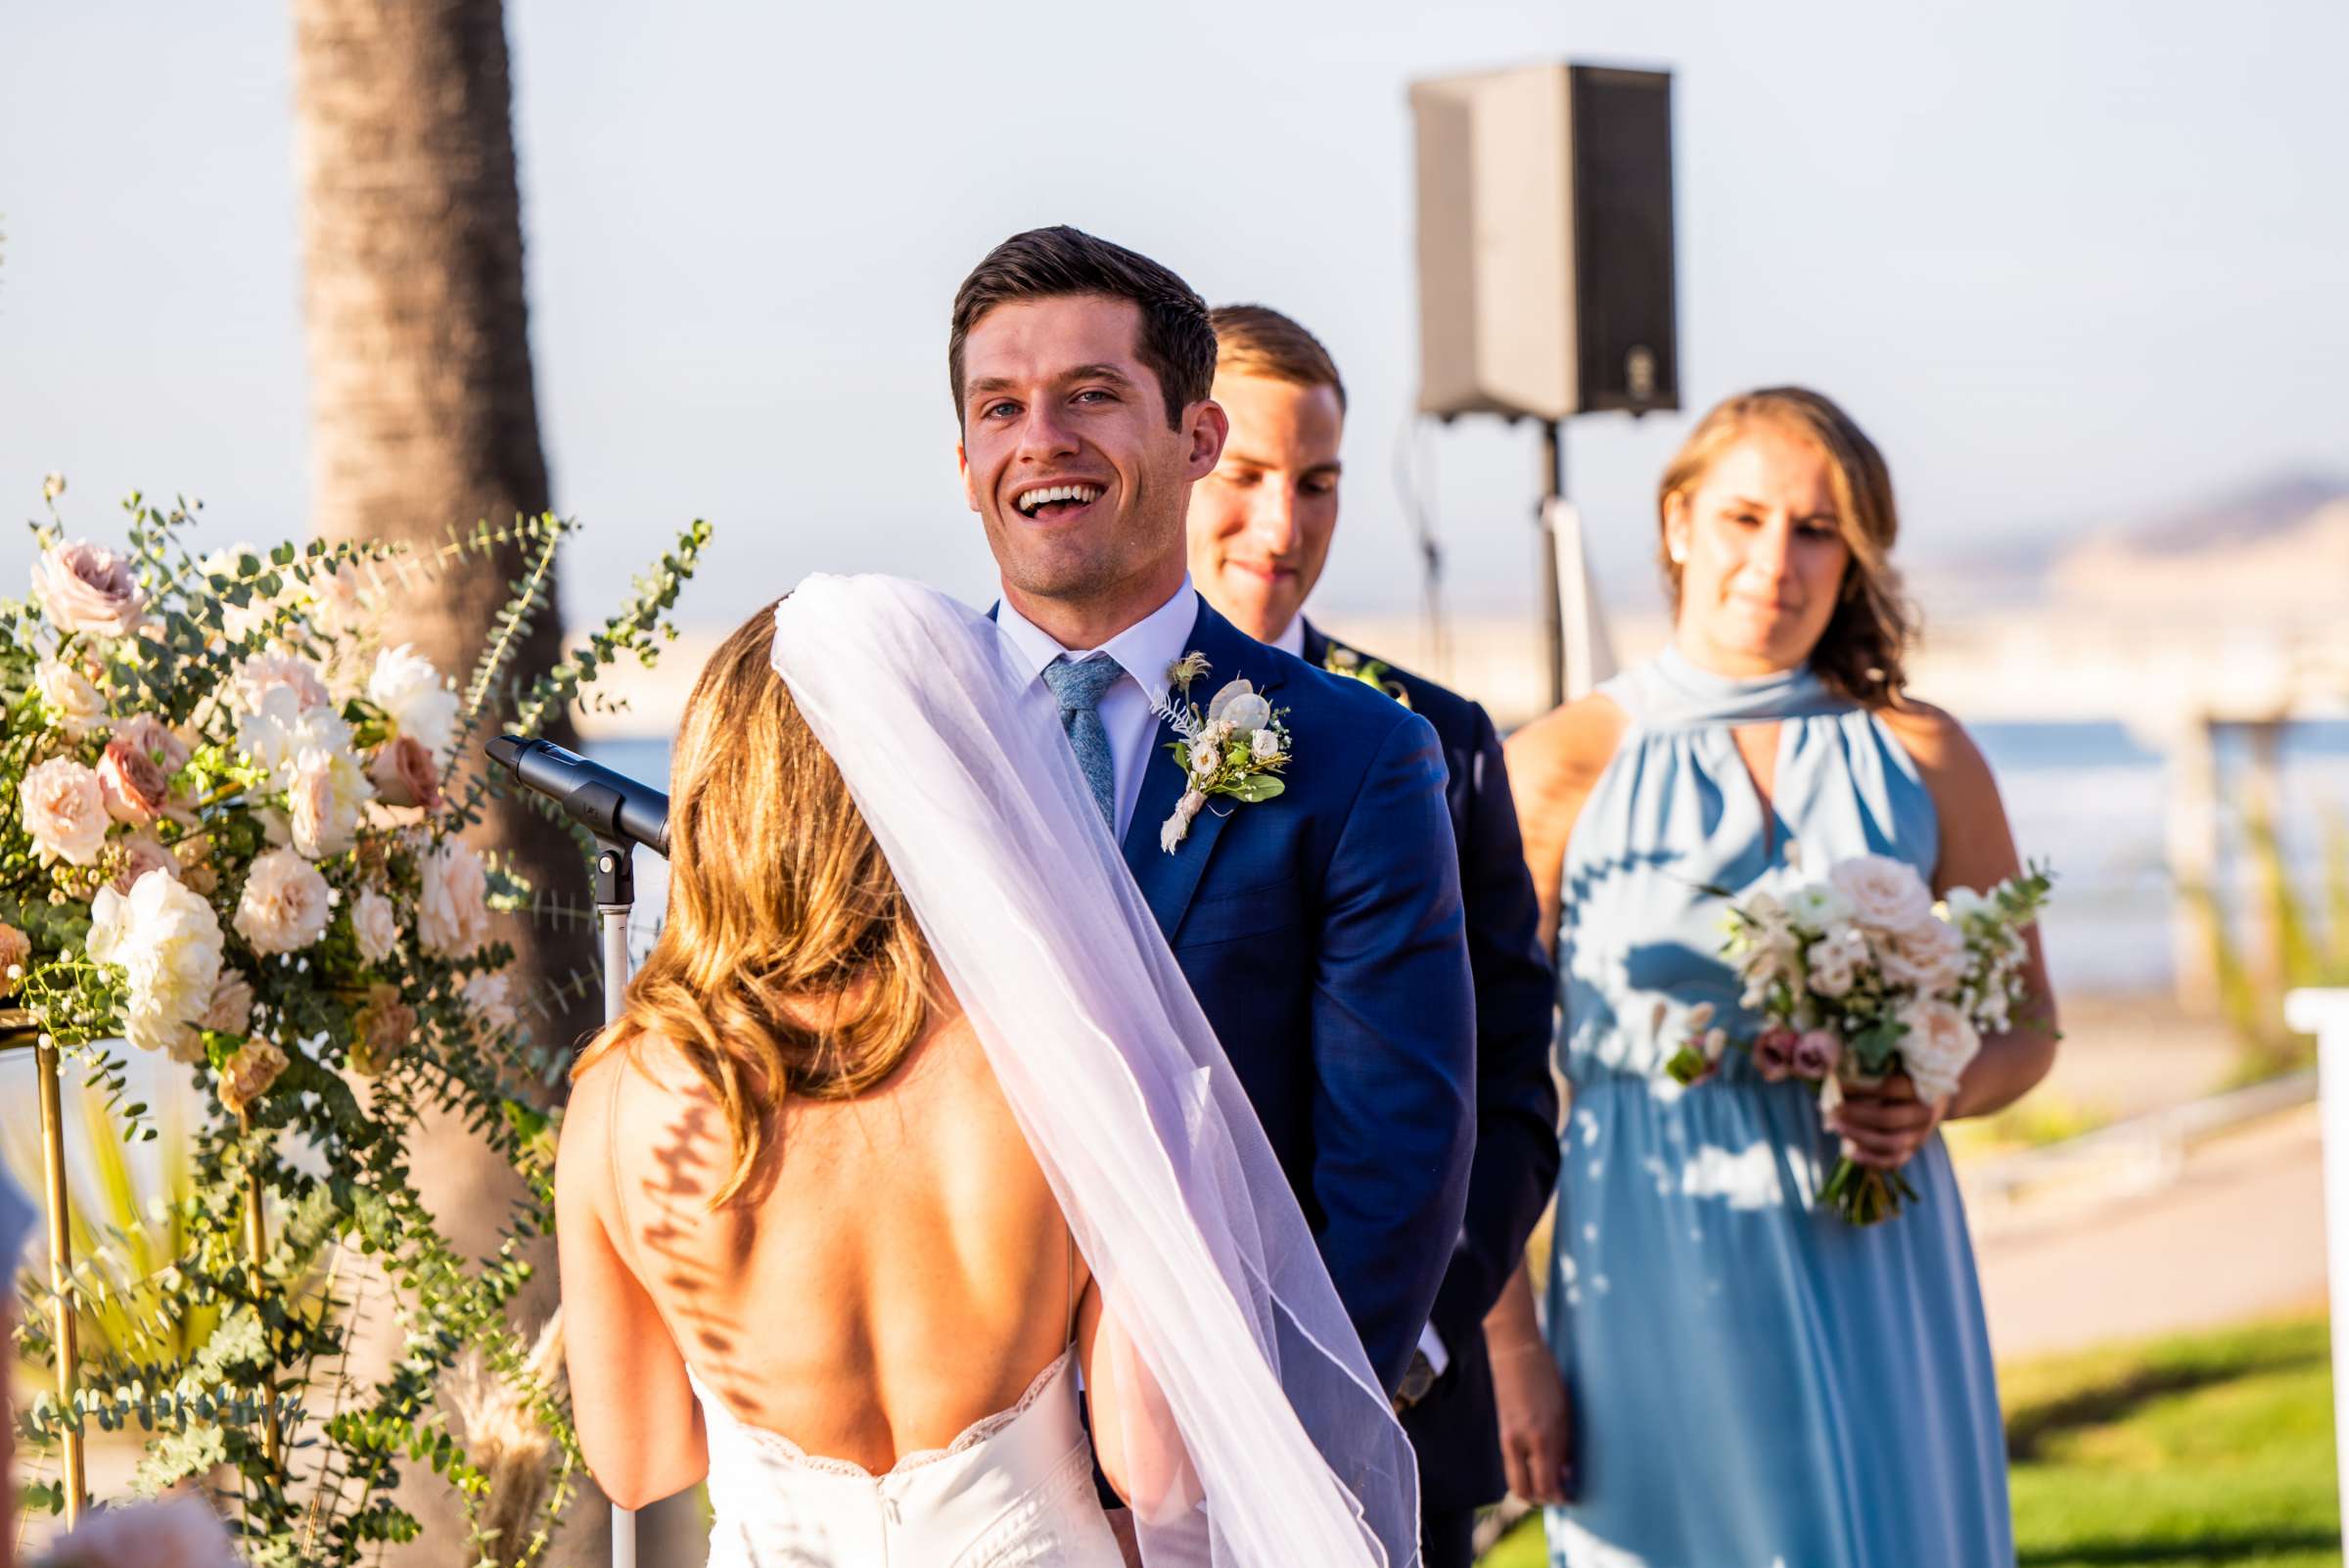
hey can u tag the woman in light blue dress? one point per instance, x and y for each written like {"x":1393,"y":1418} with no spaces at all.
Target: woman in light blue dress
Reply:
{"x":1755,"y":1383}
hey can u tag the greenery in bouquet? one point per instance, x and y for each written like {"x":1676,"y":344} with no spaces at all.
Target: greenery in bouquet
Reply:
{"x":1861,"y":975}
{"x":233,"y":843}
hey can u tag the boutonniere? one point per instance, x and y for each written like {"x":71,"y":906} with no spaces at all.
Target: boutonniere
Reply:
{"x":1237,"y":747}
{"x":1344,"y":661}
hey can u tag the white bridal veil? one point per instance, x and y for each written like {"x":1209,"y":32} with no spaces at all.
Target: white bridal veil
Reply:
{"x":1136,"y":1118}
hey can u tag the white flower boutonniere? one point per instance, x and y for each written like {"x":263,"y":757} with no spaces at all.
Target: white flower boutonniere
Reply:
{"x":1237,"y":747}
{"x":1344,"y":661}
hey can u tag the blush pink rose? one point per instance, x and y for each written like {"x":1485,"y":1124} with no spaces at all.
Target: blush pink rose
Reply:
{"x":63,"y":810}
{"x":150,"y":736}
{"x":87,"y":589}
{"x":138,"y":854}
{"x":405,"y":775}
{"x":135,"y":785}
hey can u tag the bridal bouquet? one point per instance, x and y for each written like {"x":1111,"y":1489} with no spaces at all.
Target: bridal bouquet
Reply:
{"x":234,"y":799}
{"x":1861,"y":975}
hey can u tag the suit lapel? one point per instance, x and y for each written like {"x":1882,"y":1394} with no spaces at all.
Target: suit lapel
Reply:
{"x":1169,"y":879}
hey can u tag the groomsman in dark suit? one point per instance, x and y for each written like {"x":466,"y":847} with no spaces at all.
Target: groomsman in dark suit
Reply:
{"x":1321,"y":927}
{"x":1260,"y":528}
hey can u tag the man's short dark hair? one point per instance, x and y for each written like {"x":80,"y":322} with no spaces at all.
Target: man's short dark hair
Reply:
{"x":1178,"y":342}
{"x":1254,"y":340}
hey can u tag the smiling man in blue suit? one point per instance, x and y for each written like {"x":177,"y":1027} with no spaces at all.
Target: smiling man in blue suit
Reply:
{"x":1322,"y":928}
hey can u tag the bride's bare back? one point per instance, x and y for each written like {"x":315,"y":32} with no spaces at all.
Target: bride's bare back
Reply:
{"x":898,"y":1272}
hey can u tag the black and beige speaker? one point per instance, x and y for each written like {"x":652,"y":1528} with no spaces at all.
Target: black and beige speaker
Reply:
{"x":1546,"y":255}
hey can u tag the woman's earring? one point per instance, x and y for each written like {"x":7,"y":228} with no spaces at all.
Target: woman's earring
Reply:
{"x":1678,"y":554}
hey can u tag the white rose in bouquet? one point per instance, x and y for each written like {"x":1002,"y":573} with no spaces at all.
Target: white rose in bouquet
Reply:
{"x":452,"y":916}
{"x":285,"y":905}
{"x":1931,"y":957}
{"x":167,"y":941}
{"x":375,"y":921}
{"x":87,"y":589}
{"x":76,"y":706}
{"x":178,"y":1533}
{"x":487,"y":996}
{"x":1886,"y":895}
{"x":1818,"y":907}
{"x":63,"y":810}
{"x":406,"y":686}
{"x":328,"y":791}
{"x":254,"y":678}
{"x":1937,"y":1049}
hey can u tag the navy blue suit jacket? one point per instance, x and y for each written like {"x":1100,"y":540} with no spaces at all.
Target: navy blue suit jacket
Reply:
{"x":1516,"y":1166}
{"x":1322,"y":933}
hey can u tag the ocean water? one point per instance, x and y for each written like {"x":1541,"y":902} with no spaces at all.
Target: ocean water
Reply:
{"x":2088,"y":798}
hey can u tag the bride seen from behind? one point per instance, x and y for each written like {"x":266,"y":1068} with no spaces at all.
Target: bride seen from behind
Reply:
{"x":909,"y":1116}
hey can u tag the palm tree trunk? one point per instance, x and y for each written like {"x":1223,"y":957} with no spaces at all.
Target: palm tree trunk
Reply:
{"x":423,"y":416}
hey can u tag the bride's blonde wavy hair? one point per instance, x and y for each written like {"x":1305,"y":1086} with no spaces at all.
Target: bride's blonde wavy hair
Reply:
{"x":790,"y":962}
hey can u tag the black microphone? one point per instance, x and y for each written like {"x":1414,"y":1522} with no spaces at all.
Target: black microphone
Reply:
{"x":613,"y":806}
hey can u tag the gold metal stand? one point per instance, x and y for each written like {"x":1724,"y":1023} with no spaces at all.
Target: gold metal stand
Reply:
{"x":66,"y":1337}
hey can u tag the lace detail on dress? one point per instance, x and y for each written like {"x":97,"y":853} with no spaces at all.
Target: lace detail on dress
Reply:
{"x":970,"y":1437}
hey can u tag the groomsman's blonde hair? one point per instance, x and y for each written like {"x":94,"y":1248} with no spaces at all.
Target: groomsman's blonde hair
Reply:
{"x":790,"y":962}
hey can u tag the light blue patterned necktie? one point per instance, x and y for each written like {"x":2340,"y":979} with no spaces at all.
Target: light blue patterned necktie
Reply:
{"x":1079,"y":685}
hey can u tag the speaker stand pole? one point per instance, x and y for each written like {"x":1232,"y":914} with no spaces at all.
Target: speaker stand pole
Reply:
{"x":1553,"y":490}
{"x":615,"y":896}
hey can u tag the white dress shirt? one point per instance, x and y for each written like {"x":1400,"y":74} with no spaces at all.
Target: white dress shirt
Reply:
{"x":1144,"y":651}
{"x":1292,"y":641}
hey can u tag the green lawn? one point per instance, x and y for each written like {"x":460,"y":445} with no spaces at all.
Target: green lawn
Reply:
{"x":2203,"y":1451}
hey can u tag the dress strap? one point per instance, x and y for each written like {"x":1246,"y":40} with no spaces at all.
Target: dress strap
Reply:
{"x":1069,"y":1293}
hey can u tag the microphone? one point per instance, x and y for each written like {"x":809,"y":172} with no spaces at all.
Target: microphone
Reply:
{"x":613,"y":806}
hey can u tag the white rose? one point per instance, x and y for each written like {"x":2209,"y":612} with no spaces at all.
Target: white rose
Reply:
{"x":230,"y":1011}
{"x":181,"y":1532}
{"x":87,"y":589}
{"x":286,"y":903}
{"x":1885,"y":894}
{"x":376,"y":923}
{"x":328,"y":793}
{"x":1962,"y":904}
{"x":452,"y":916}
{"x":406,"y":686}
{"x":63,"y":810}
{"x":1266,"y":746}
{"x":74,"y":706}
{"x":279,"y":730}
{"x":167,"y":942}
{"x":487,"y":996}
{"x":1818,"y":907}
{"x":256,"y":677}
{"x":1939,"y":1045}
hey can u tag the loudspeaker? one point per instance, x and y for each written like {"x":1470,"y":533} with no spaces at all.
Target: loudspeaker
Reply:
{"x":1545,"y":253}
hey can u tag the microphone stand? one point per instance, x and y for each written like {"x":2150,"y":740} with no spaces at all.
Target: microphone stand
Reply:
{"x":615,"y":899}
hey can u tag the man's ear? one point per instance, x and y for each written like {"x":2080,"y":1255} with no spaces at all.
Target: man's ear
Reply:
{"x":1210,"y":427}
{"x":970,"y":487}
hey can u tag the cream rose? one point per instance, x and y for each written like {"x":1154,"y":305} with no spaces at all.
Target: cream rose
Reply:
{"x":1886,"y":895}
{"x":406,"y":774}
{"x":1937,"y":1049}
{"x":256,"y":677}
{"x":1930,"y":956}
{"x":135,"y":786}
{"x":487,"y":996}
{"x":385,"y":1025}
{"x":375,"y":922}
{"x":407,"y":687}
{"x":167,"y":942}
{"x":286,"y":903}
{"x":452,"y":915}
{"x":87,"y":589}
{"x":63,"y":810}
{"x":230,"y":1011}
{"x":76,"y":706}
{"x":328,"y":794}
{"x":250,"y":1074}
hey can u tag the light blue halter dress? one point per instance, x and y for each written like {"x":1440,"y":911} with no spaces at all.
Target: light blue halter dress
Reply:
{"x":1757,"y":1384}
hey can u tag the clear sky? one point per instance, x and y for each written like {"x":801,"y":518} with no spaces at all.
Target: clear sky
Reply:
{"x":2069,"y":261}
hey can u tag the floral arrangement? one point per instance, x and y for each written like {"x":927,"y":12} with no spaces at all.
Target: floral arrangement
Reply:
{"x":233,"y":845}
{"x":1236,"y":749}
{"x":1861,"y":975}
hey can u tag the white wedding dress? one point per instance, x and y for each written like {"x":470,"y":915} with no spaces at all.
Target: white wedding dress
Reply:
{"x":1015,"y":1488}
{"x":1269,"y":1440}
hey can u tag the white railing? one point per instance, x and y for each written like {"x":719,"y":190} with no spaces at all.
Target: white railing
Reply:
{"x":2325,"y":1015}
